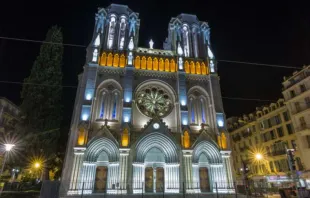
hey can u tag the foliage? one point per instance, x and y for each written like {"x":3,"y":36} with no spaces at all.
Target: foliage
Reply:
{"x":41,"y":94}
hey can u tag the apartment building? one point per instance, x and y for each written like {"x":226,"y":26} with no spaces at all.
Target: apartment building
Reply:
{"x":296,"y":92}
{"x":270,"y":132}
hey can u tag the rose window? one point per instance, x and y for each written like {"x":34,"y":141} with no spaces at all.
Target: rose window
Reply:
{"x":154,"y":102}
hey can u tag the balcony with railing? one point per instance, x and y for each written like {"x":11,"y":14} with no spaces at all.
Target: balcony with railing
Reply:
{"x":302,"y":127}
{"x":300,"y":109}
{"x":293,"y":81}
{"x":277,"y":153}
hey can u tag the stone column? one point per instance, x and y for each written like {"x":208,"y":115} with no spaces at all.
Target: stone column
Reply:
{"x":196,"y":181}
{"x":187,"y":160}
{"x":76,"y":169}
{"x":123,"y":167}
{"x":137,"y":177}
{"x":172,"y":183}
{"x":227,"y":167}
{"x":113,"y":177}
{"x":87,"y":178}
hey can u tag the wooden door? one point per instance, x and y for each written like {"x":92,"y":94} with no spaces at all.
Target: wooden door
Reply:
{"x":148,"y":179}
{"x":101,"y":179}
{"x":204,"y":179}
{"x":160,"y":179}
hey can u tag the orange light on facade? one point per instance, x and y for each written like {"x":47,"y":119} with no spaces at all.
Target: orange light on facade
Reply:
{"x":167,"y":69}
{"x":81,"y":137}
{"x":192,"y":67}
{"x":137,"y":62}
{"x":155,"y":64}
{"x":186,"y":140}
{"x":110,"y":59}
{"x":116,"y":60}
{"x":149,"y":63}
{"x":161,"y":64}
{"x":186,"y":66}
{"x":143,"y":63}
{"x":203,"y":69}
{"x":224,"y":141}
{"x":172,"y":65}
{"x":198,"y":71}
{"x":103,"y":59}
{"x":122,"y":61}
{"x":125,"y":138}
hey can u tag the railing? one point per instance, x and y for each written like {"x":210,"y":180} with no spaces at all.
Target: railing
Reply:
{"x":276,"y":153}
{"x":301,"y":109}
{"x":303,"y":76}
{"x":302,"y":127}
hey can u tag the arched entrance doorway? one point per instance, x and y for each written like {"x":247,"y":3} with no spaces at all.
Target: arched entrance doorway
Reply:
{"x":156,"y":165}
{"x":207,"y":167}
{"x":100,"y":166}
{"x":154,"y":170}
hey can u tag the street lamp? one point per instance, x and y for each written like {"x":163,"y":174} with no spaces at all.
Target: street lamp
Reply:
{"x":37,"y":165}
{"x":258,"y":156}
{"x":8,"y":148}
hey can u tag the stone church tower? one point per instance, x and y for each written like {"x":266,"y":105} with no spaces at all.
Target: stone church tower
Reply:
{"x":147,"y":120}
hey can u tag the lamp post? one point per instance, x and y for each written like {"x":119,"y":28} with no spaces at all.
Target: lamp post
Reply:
{"x":8,"y":148}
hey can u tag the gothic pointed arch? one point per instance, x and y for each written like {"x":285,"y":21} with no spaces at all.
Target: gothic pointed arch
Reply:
{"x":209,"y":149}
{"x":192,"y":66}
{"x":161,"y":65}
{"x":172,"y":65}
{"x":137,"y":62}
{"x":110,"y":59}
{"x":103,"y":59}
{"x":122,"y":61}
{"x":198,"y":106}
{"x":160,"y":141}
{"x":97,"y":146}
{"x":116,"y":60}
{"x":198,"y":70}
{"x":167,"y":66}
{"x":143,"y":62}
{"x":186,"y":66}
{"x":149,"y":63}
{"x":155,"y":64}
{"x":108,"y":100}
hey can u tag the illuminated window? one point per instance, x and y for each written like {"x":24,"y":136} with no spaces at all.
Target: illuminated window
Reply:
{"x":155,"y":64}
{"x":122,"y":28}
{"x":95,"y":55}
{"x":186,"y":140}
{"x":186,"y":41}
{"x":103,"y":59}
{"x":116,"y":60}
{"x":143,"y":63}
{"x":137,"y":62}
{"x":149,"y":63}
{"x":111,"y":31}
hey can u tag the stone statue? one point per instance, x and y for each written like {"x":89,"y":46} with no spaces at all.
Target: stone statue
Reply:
{"x":206,"y":34}
{"x":132,"y":27}
{"x":178,"y":31}
{"x":99,"y":22}
{"x":151,"y":43}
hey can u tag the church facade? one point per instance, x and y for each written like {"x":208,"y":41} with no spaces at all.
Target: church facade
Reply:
{"x":147,"y":120}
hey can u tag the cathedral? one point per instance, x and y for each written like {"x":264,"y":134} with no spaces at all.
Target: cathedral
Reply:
{"x":147,"y":120}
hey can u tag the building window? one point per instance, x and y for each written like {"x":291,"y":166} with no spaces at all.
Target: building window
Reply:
{"x":294,"y":146}
{"x":273,"y":135}
{"x":289,"y":129}
{"x":286,"y":116}
{"x":307,"y":100}
{"x":277,"y":119}
{"x":302,"y":88}
{"x":271,"y":166}
{"x":302,"y":122}
{"x":111,"y":31}
{"x":256,"y":140}
{"x":308,"y":140}
{"x":269,"y":123}
{"x":280,"y":132}
{"x":254,"y":128}
{"x":299,"y":164}
{"x":297,"y":107}
{"x":292,"y":92}
{"x":262,"y":126}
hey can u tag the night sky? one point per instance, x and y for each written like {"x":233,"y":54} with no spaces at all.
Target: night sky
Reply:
{"x":271,"y":32}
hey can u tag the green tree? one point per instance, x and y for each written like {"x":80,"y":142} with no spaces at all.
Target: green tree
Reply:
{"x":42,"y":93}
